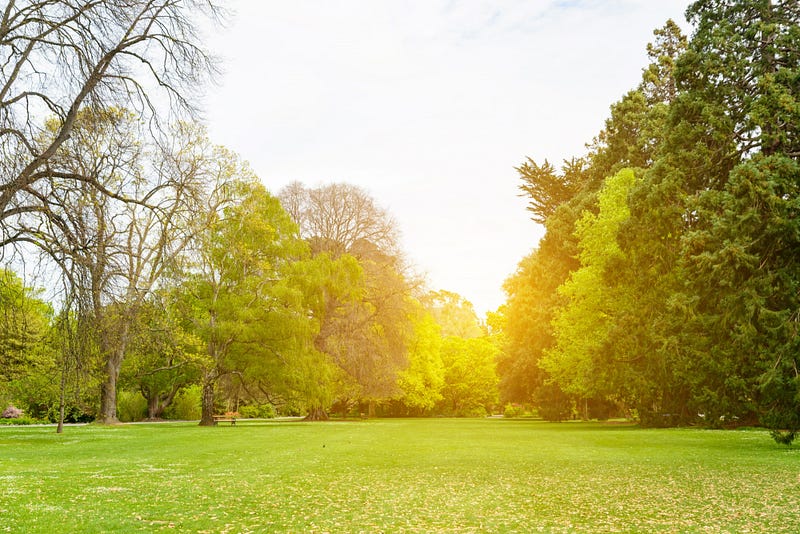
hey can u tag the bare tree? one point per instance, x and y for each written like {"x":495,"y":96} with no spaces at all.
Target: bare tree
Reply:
{"x":334,"y":217}
{"x":113,"y":251}
{"x":58,"y":56}
{"x":366,"y":337}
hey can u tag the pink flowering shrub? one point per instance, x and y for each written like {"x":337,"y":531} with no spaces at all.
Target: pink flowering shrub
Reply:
{"x":12,"y":412}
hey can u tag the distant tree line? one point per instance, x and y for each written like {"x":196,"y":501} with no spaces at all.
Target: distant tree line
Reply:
{"x":177,"y":284}
{"x":212,"y":295}
{"x":667,"y":284}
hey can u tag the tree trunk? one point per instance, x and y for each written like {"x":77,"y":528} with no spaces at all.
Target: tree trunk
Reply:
{"x":316,"y":414}
{"x":157,"y":402}
{"x":154,"y":408}
{"x":207,"y":415}
{"x":108,"y":389}
{"x":61,"y":396}
{"x":114,"y":346}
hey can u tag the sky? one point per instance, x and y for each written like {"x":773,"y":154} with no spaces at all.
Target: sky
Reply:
{"x":429,"y":105}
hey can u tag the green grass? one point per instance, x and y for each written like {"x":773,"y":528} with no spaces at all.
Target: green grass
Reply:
{"x":396,"y":476}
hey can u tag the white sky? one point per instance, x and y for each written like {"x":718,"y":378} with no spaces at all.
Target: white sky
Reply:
{"x":429,"y":105}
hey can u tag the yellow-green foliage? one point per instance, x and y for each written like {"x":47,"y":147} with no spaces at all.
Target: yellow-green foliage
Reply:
{"x":131,"y":406}
{"x":186,"y":404}
{"x":581,"y":327}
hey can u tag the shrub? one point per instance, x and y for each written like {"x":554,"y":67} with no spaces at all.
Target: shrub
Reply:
{"x":187,"y":404}
{"x":72,"y":414}
{"x":513,"y":410}
{"x":553,"y":404}
{"x":261,"y":411}
{"x":22,"y":420}
{"x":12,"y":412}
{"x":291,"y":409}
{"x":472,"y":411}
{"x":785,"y":437}
{"x":131,"y":406}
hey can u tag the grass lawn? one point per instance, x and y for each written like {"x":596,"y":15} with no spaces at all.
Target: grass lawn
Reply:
{"x":438,"y":475}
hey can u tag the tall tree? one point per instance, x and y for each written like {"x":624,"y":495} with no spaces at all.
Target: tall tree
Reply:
{"x":579,"y":361}
{"x":455,"y":314}
{"x":422,"y":381}
{"x":237,"y":297}
{"x":60,"y":56}
{"x":738,"y":249}
{"x":112,"y":251}
{"x":633,"y":137}
{"x":367,"y":337}
{"x":470,"y":376}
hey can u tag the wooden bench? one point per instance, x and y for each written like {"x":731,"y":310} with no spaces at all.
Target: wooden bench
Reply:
{"x":228,"y":417}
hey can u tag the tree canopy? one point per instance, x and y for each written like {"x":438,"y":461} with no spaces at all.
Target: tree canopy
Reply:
{"x":681,"y":306}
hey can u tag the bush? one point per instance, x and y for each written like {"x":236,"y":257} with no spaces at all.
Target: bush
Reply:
{"x":785,"y":437}
{"x":472,"y":411}
{"x":131,"y":406}
{"x":553,"y":404}
{"x":22,"y":420}
{"x":291,"y":409}
{"x":72,"y":414}
{"x":513,"y":410}
{"x":187,"y":404}
{"x":12,"y":412}
{"x":257,"y":411}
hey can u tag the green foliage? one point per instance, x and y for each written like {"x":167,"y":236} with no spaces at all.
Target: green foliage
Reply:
{"x":258,"y":411}
{"x":25,"y":349}
{"x":470,"y":376}
{"x":162,"y":356}
{"x":242,"y":299}
{"x":742,"y":67}
{"x":422,"y":381}
{"x":687,"y":304}
{"x":22,"y":420}
{"x":131,"y":406}
{"x":186,"y":405}
{"x":525,"y":321}
{"x":513,"y":410}
{"x":579,"y":361}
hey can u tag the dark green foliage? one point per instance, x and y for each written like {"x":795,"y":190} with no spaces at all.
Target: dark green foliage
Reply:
{"x":784,"y":437}
{"x":706,"y":287}
{"x":552,"y":403}
{"x":72,"y":414}
{"x":546,"y":188}
{"x":743,"y":63}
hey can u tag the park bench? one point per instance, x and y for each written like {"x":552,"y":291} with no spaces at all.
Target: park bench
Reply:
{"x":228,"y":417}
